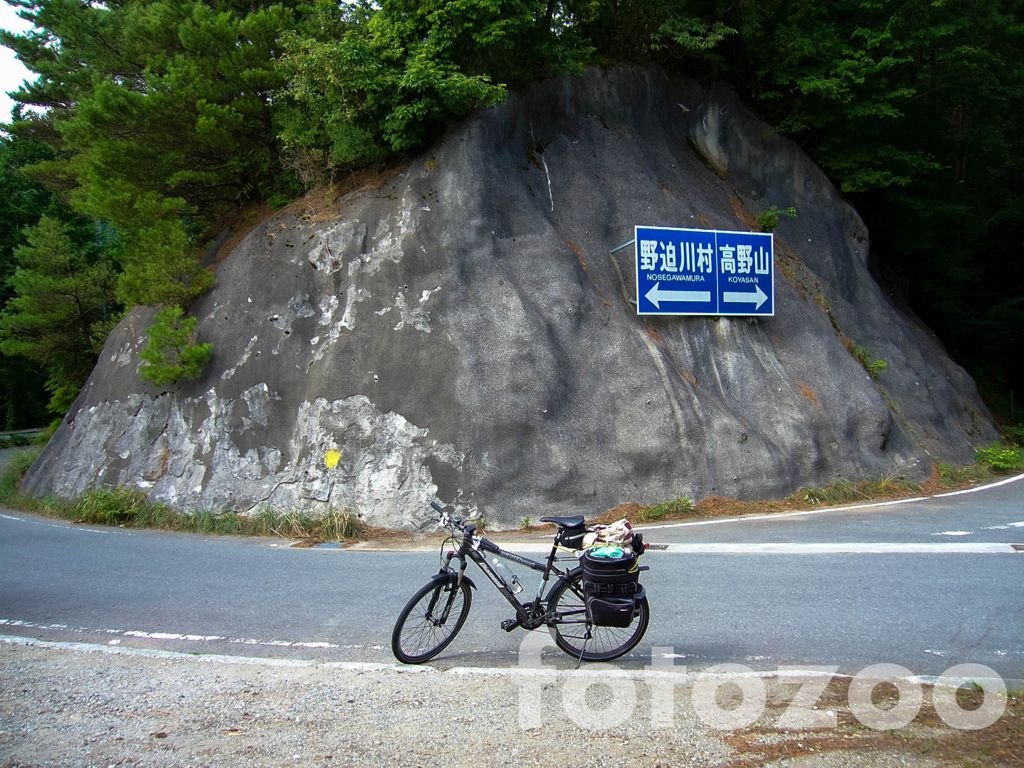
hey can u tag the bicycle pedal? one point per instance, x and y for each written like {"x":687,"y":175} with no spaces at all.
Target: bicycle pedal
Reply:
{"x":509,"y":624}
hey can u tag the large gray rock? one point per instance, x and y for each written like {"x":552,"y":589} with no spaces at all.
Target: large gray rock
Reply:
{"x":462,"y":330}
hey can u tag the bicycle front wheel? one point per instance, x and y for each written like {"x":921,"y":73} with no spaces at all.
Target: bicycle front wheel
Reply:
{"x":582,"y":640}
{"x":430,"y":621}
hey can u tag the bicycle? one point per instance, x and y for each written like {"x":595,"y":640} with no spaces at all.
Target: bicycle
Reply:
{"x":437,"y":611}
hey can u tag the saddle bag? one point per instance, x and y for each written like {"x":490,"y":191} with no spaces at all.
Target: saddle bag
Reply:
{"x":572,"y":538}
{"x":611,"y":585}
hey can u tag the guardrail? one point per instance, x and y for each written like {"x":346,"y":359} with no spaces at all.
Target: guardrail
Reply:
{"x":19,"y":437}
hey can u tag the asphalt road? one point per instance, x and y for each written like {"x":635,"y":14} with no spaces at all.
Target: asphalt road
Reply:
{"x":813,"y":589}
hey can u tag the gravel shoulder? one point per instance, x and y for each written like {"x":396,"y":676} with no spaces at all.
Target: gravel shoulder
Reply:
{"x":95,"y":706}
{"x":77,"y":708}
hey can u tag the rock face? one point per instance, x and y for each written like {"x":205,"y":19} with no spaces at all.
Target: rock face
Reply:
{"x":462,"y":330}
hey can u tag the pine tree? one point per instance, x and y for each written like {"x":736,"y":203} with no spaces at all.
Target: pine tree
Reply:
{"x":62,"y":308}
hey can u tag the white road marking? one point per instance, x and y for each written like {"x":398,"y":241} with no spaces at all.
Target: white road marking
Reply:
{"x":682,"y":676}
{"x":67,"y":526}
{"x":778,"y":515}
{"x":182,"y":636}
{"x":953,"y":533}
{"x":979,"y":488}
{"x":844,"y":548}
{"x":819,"y":548}
{"x":810,"y":512}
{"x":153,"y":653}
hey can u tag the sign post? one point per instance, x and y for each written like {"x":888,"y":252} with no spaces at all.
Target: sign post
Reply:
{"x":704,"y":272}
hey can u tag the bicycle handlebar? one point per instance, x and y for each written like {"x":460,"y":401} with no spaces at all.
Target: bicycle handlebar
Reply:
{"x":456,"y":525}
{"x":448,"y":521}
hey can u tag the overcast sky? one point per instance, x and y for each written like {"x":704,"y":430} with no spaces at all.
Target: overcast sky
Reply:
{"x":12,"y":72}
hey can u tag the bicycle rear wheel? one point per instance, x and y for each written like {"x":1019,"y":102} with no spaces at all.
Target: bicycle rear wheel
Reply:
{"x":430,"y":621}
{"x":578,"y":637}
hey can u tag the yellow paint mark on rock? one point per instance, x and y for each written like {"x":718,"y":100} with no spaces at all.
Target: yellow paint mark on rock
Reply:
{"x":331,"y":458}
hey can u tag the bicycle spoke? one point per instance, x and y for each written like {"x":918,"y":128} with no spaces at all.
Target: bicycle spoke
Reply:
{"x":430,"y":622}
{"x":574,"y":635}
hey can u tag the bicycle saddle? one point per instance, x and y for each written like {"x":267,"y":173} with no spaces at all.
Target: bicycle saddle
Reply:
{"x":564,"y":522}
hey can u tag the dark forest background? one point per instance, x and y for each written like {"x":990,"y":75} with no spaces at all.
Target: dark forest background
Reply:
{"x":152,"y":122}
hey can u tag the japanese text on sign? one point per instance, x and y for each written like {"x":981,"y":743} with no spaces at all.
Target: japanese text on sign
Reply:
{"x":704,"y":272}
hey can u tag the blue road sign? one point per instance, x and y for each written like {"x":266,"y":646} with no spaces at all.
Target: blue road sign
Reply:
{"x":704,"y":272}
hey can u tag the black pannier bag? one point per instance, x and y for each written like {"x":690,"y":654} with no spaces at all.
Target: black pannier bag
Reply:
{"x":611,"y":585}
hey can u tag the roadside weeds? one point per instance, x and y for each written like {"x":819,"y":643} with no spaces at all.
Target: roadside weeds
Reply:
{"x":131,"y":508}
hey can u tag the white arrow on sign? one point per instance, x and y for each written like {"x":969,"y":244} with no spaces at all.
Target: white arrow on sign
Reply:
{"x":655,"y":296}
{"x":757,"y":298}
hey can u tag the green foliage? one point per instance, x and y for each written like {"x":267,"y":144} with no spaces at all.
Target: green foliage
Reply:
{"x":692,"y":34}
{"x":160,"y":115}
{"x":876,"y":368}
{"x":667,"y":509}
{"x":158,"y":267}
{"x":844,"y":491}
{"x":368,"y":82}
{"x":161,"y":98}
{"x":915,"y":110}
{"x":768,"y":220}
{"x":131,"y":508}
{"x":958,"y":477}
{"x":22,"y":200}
{"x":115,"y":506}
{"x":173,"y":353}
{"x":334,"y":525}
{"x":873,"y":365}
{"x":1002,"y":458}
{"x":364,"y":81}
{"x":1014,"y":434}
{"x":23,"y":399}
{"x":62,"y":308}
{"x":16,"y":468}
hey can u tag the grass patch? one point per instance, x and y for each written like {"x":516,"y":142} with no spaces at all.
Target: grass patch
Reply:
{"x":949,"y":476}
{"x":848,"y":492}
{"x":667,"y":509}
{"x":944,"y":477}
{"x":131,"y":508}
{"x":335,"y":525}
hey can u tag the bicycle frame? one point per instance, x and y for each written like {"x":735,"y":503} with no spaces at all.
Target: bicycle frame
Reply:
{"x":529,"y":615}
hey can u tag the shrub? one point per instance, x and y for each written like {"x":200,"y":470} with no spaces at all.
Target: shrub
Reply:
{"x":768,"y":220}
{"x":1001,"y":458}
{"x":173,"y":353}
